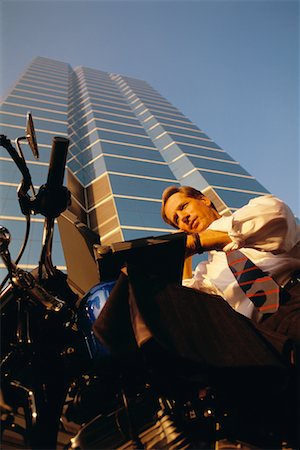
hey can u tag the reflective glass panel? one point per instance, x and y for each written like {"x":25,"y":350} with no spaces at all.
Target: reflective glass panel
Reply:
{"x":235,"y":199}
{"x":202,"y":163}
{"x":44,"y":98}
{"x":40,"y":104}
{"x":36,"y":113}
{"x":220,"y":180}
{"x":138,"y":187}
{"x":138,"y":167}
{"x":135,"y":152}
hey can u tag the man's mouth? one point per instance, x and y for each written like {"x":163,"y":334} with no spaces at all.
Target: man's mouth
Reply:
{"x":193,"y":223}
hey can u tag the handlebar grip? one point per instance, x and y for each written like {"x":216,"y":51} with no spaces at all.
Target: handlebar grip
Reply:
{"x":57,"y":163}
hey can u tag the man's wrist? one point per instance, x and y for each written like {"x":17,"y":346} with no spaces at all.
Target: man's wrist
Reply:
{"x":197,"y":243}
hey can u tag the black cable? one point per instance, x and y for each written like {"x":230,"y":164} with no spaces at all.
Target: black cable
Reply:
{"x":27,"y":231}
{"x":21,"y":251}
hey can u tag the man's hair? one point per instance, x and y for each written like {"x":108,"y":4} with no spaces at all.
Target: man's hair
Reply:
{"x":171,"y":190}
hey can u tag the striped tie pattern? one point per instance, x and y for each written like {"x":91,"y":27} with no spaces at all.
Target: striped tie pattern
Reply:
{"x":257,"y":285}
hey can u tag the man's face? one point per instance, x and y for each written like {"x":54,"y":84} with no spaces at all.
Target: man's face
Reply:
{"x":190,"y":214}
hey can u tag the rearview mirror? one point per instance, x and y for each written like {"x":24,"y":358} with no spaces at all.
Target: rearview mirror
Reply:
{"x":30,"y":135}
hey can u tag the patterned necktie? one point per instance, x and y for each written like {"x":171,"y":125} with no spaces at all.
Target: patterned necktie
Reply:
{"x":257,"y":285}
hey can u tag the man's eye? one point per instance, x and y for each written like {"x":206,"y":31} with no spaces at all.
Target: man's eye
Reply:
{"x":184,"y":205}
{"x":175,"y":219}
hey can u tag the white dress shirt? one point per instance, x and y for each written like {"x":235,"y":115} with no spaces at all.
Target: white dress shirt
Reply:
{"x":267,"y":233}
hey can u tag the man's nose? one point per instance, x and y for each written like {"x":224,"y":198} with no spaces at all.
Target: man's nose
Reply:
{"x":184,"y":216}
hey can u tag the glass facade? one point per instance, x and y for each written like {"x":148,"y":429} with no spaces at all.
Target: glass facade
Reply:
{"x":127,"y":144}
{"x":42,"y":90}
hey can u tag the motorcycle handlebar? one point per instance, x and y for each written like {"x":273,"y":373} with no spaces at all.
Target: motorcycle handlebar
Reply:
{"x":53,"y":197}
{"x":57,"y":163}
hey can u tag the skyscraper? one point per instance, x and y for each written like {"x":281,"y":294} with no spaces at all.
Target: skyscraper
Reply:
{"x":127,"y":143}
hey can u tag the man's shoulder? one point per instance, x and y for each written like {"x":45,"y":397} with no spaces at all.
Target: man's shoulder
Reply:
{"x":265,"y":198}
{"x":266,"y":201}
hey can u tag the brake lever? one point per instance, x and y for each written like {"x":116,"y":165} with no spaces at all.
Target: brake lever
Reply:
{"x":19,"y":161}
{"x":5,"y":238}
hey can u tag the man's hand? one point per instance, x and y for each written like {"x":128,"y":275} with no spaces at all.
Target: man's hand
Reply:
{"x":209,"y":239}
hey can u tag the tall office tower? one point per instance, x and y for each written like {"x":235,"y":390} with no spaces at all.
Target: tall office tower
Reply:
{"x":42,"y":90}
{"x":127,"y":144}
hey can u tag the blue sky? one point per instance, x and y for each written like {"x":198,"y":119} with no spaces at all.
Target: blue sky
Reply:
{"x":231,"y":66}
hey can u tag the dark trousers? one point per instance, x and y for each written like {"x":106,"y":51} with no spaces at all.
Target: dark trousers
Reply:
{"x":199,"y":340}
{"x":192,"y":325}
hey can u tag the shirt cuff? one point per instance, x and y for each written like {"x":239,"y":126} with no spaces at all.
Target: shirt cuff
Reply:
{"x":226,"y":225}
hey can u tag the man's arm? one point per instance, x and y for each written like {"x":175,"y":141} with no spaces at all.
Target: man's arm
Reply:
{"x":209,"y":240}
{"x":265,"y":224}
{"x":187,"y":269}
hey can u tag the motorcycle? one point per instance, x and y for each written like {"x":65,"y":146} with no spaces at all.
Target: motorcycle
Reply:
{"x":59,"y":373}
{"x":52,"y":366}
{"x":37,"y":308}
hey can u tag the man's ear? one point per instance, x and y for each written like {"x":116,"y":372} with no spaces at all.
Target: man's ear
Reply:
{"x":206,"y":200}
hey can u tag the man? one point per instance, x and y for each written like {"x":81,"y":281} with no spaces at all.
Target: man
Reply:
{"x":192,"y":338}
{"x":266,"y":233}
